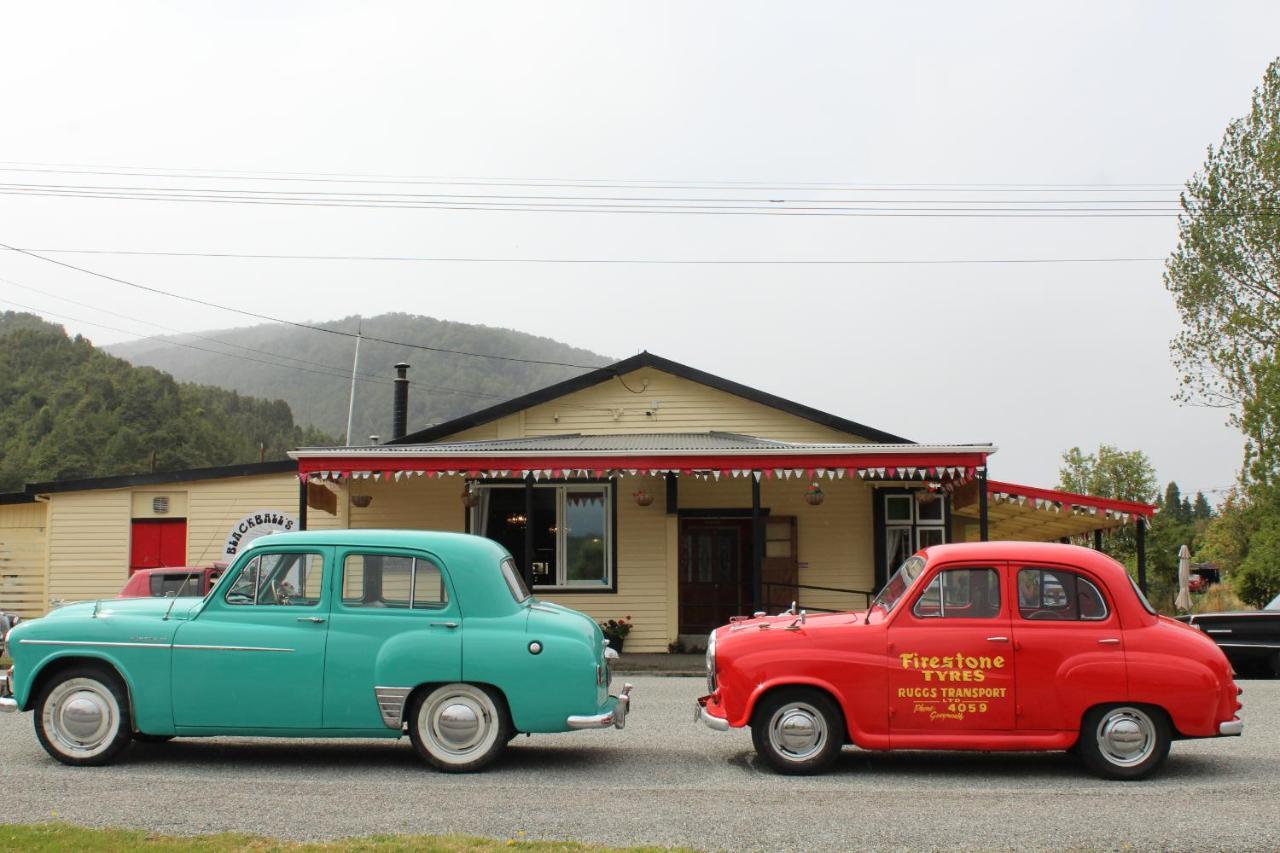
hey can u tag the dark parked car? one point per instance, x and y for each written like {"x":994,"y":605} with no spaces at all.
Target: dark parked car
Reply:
{"x":1249,"y":638}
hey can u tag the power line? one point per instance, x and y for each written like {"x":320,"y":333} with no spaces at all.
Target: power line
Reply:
{"x":686,"y":210}
{"x":455,"y":180}
{"x":638,"y":261}
{"x":294,"y":323}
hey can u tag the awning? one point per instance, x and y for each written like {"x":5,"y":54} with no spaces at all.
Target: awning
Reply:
{"x":1017,"y":512}
{"x":683,"y":454}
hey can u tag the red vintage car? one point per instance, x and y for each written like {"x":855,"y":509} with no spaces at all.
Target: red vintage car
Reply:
{"x":979,"y":646}
{"x":171,"y":582}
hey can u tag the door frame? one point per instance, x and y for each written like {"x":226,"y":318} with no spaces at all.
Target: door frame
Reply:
{"x":737,"y":515}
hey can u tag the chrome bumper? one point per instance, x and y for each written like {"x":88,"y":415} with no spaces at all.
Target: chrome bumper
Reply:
{"x":617,"y":718}
{"x":1231,"y":728}
{"x":700,"y":715}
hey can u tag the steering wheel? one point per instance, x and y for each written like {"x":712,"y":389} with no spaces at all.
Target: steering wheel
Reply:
{"x":1042,"y":614}
{"x":282,"y":592}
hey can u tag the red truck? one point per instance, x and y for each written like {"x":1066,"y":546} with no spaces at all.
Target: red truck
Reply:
{"x":172,"y":582}
{"x":977,"y":646}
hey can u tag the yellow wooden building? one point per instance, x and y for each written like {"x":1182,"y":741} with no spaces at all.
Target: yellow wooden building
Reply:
{"x":646,"y":489}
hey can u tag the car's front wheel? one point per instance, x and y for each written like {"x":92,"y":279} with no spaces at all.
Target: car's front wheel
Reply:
{"x":798,"y":730}
{"x":1124,"y":741}
{"x":459,"y":728}
{"x":82,"y":716}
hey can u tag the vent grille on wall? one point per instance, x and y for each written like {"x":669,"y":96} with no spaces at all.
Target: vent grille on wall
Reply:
{"x":160,"y":505}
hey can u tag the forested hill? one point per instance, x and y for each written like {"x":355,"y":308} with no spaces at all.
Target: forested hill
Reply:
{"x":311,"y":370}
{"x":68,"y":409}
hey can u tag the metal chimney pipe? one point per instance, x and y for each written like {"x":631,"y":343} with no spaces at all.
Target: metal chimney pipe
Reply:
{"x":400,"y":403}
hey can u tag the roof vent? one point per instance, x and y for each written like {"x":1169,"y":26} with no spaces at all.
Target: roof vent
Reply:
{"x":160,"y":505}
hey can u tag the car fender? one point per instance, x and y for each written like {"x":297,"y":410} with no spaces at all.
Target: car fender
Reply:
{"x":793,"y":681}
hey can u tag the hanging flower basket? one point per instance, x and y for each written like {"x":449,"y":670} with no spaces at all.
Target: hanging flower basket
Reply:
{"x":643,"y":498}
{"x":814,"y":495}
{"x":470,"y":497}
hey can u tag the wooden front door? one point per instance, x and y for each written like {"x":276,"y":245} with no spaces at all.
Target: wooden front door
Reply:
{"x":715,"y":572}
{"x":780,"y":569}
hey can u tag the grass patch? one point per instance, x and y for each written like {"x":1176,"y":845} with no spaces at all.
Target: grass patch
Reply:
{"x":64,"y":836}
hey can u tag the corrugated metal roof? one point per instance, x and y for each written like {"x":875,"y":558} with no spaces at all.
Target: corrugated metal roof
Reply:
{"x":665,"y":442}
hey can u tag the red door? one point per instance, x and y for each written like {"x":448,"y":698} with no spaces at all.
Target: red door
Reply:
{"x":158,"y":543}
{"x":951,"y":663}
{"x":1068,"y":645}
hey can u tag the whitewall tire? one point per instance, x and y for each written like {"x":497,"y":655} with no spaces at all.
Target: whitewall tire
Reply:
{"x":459,"y":728}
{"x":82,"y":716}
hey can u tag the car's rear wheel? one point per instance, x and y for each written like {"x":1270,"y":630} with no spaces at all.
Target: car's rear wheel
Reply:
{"x":798,"y":730}
{"x":459,"y":728}
{"x":1124,"y":741}
{"x":82,"y":716}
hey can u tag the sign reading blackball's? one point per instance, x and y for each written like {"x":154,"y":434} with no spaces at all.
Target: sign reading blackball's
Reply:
{"x":256,"y":524}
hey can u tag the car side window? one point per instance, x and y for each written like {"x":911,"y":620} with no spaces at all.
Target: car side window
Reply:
{"x":392,"y":581}
{"x":960,"y":594}
{"x":1059,"y":595}
{"x":171,"y":585}
{"x":293,"y":580}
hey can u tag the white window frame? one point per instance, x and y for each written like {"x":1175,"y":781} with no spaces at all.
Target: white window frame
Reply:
{"x":480,"y":514}
{"x":913,"y":524}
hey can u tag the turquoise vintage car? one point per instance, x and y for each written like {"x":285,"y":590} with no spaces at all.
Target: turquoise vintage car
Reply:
{"x":348,"y":633}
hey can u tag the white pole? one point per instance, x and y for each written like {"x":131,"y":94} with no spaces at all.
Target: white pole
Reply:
{"x":355,"y":363}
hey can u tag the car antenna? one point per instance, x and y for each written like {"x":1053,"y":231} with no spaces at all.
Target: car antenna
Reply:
{"x":169,"y":610}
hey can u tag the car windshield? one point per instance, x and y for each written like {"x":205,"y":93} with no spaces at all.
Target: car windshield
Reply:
{"x":899,"y":583}
{"x":1274,"y":605}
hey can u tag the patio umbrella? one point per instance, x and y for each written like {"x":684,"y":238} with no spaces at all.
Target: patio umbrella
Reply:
{"x":1183,"y":601}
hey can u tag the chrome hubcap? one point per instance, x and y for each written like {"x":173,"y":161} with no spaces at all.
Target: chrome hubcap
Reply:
{"x":459,"y":724}
{"x":1126,"y":736}
{"x":81,"y":717}
{"x":797,"y":731}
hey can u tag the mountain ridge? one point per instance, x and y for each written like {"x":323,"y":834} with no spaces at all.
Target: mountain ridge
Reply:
{"x":313,"y":373}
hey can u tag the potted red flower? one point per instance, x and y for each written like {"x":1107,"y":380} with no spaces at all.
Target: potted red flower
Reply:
{"x":616,"y":631}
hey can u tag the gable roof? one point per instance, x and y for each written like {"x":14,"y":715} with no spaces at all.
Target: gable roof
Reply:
{"x":636,"y":362}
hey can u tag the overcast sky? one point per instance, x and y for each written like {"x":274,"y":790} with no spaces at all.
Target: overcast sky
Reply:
{"x":1033,"y":357}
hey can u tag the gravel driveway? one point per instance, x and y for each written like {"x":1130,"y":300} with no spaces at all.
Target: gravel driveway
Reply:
{"x":665,"y":780}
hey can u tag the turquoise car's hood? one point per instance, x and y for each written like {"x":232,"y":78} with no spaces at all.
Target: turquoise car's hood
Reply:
{"x":175,"y":608}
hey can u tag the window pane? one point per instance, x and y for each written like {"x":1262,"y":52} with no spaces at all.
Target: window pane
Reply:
{"x":376,"y":580}
{"x":897,"y":507}
{"x":930,"y":510}
{"x":1058,"y":595}
{"x":584,"y":539}
{"x":897,"y":546}
{"x":930,"y":536}
{"x":292,"y":580}
{"x":245,"y":588}
{"x":961,"y":594}
{"x":428,"y":586}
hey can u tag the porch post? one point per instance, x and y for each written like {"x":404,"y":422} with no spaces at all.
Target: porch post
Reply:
{"x":1097,"y":539}
{"x":673,"y":494}
{"x":983,"y":524}
{"x":528,"y":531}
{"x":1142,"y":554}
{"x":757,"y":546}
{"x":302,"y":503}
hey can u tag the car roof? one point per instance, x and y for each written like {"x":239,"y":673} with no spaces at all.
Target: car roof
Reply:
{"x":1044,"y":552}
{"x":427,"y":539}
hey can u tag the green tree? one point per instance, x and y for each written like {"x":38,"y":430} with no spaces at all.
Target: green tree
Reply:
{"x":1111,"y":473}
{"x":1201,"y":509}
{"x":1225,"y":280}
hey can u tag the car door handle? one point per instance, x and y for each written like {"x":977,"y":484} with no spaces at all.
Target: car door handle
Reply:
{"x":315,"y":619}
{"x":444,"y":624}
{"x":1109,"y":641}
{"x":997,"y":639}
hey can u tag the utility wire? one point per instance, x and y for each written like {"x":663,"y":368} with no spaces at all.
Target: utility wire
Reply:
{"x":677,"y":209}
{"x":438,"y":180}
{"x":674,"y":261}
{"x":271,"y":319}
